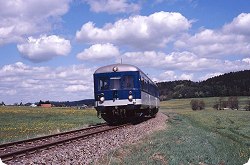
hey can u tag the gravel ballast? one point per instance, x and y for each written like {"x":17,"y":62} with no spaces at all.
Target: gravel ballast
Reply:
{"x":90,"y":149}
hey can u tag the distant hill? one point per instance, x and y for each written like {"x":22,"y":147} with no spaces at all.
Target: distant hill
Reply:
{"x":88,"y":102}
{"x":229,"y":84}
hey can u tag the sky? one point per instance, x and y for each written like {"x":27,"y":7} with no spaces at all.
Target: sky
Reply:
{"x":50,"y":49}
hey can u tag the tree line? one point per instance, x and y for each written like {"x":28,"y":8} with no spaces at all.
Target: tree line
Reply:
{"x":229,"y":84}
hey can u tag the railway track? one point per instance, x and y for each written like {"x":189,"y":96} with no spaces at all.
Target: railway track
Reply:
{"x":17,"y":149}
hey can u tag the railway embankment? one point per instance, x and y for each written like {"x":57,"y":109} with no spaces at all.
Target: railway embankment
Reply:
{"x":91,"y":149}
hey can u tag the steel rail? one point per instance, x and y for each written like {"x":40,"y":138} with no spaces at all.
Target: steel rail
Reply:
{"x":48,"y":136}
{"x":11,"y":155}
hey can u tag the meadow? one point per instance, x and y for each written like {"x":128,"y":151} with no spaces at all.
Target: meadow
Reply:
{"x":192,"y":137}
{"x":18,"y":123}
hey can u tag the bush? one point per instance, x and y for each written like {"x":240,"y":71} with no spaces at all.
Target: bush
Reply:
{"x":197,"y":104}
{"x":247,"y":107}
{"x":194,"y":104}
{"x":202,"y":105}
{"x":233,"y":102}
{"x":216,"y":106}
{"x":220,"y":104}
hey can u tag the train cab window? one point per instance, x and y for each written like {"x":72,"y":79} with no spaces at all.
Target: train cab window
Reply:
{"x":115,"y":83}
{"x":127,"y":82}
{"x":103,"y":84}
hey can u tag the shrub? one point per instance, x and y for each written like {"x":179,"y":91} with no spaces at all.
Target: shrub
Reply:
{"x":202,"y":105}
{"x":216,"y":106}
{"x":247,"y":107}
{"x":233,"y":102}
{"x":220,"y":104}
{"x":197,"y":104}
{"x":194,"y":104}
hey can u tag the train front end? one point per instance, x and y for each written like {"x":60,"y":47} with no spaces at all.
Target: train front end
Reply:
{"x":116,"y":90}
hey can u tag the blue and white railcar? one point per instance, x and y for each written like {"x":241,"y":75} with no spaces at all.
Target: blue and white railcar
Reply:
{"x":123,"y":91}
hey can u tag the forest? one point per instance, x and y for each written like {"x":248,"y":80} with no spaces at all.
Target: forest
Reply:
{"x":229,"y":84}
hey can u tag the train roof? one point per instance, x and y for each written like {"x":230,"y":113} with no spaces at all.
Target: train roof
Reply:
{"x":119,"y":67}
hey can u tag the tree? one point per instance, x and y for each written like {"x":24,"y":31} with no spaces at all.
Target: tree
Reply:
{"x":197,"y":104}
{"x":221,"y":104}
{"x":2,"y":104}
{"x":47,"y":102}
{"x":216,"y":106}
{"x":40,"y":103}
{"x":233,"y":102}
{"x":202,"y":105}
{"x":194,"y":104}
{"x":247,"y":107}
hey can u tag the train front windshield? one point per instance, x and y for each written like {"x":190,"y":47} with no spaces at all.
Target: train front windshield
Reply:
{"x":128,"y":82}
{"x":116,"y":83}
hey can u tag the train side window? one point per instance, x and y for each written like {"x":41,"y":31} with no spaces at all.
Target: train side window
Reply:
{"x":148,"y":86}
{"x":128,"y":82}
{"x":103,"y":84}
{"x":142,"y":84}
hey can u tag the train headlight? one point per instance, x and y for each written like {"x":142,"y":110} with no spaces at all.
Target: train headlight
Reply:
{"x":102,"y":99}
{"x":115,"y":69}
{"x":130,"y":98}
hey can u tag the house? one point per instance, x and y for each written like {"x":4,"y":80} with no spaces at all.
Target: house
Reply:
{"x":82,"y":107}
{"x":45,"y":104}
{"x":33,"y":105}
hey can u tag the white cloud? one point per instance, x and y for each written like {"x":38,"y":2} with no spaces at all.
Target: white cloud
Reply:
{"x":183,"y":61}
{"x":9,"y":92}
{"x":99,"y":51}
{"x":209,"y":75}
{"x":20,"y":18}
{"x":44,"y":48}
{"x":147,"y":58}
{"x":113,"y":6}
{"x":231,"y":39}
{"x":76,"y":88}
{"x":247,"y":60}
{"x":185,"y":76}
{"x":147,"y":32}
{"x":168,"y":76}
{"x":176,"y":60}
{"x":239,"y":25}
{"x":171,"y":75}
{"x":27,"y":83}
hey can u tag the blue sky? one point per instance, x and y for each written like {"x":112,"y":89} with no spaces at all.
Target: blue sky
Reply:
{"x":50,"y":49}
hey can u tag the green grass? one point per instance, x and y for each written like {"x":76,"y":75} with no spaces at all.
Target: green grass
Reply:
{"x":229,"y":123}
{"x":192,"y":137}
{"x":184,"y":104}
{"x":18,"y":123}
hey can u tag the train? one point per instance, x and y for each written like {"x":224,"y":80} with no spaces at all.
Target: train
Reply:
{"x":123,"y":92}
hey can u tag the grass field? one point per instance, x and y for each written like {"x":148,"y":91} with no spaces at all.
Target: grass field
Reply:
{"x":193,"y":137}
{"x":24,"y":122}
